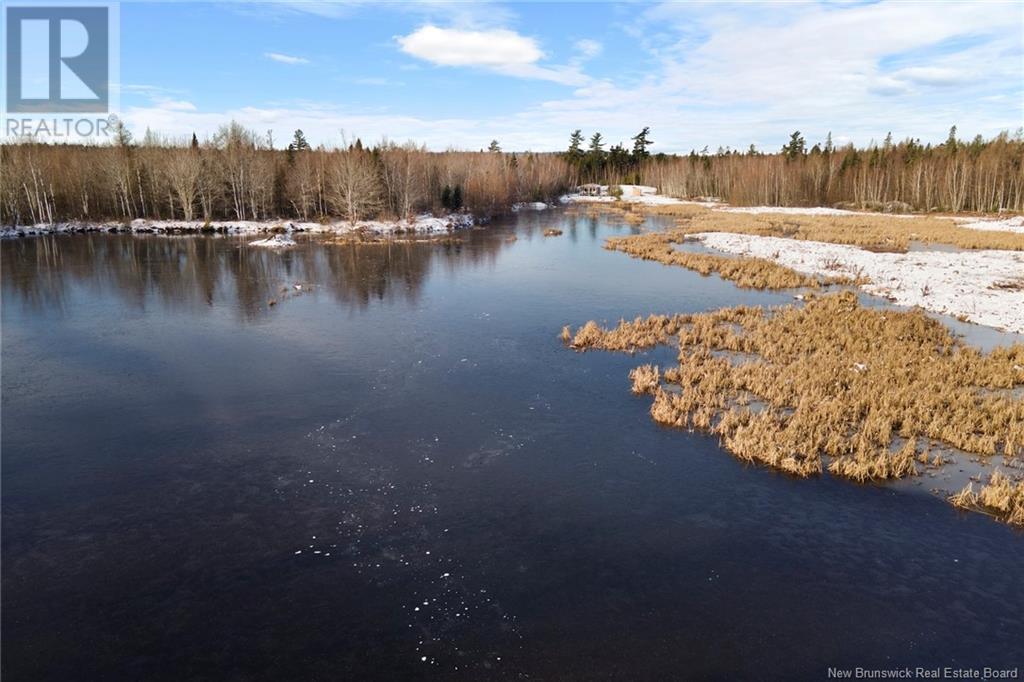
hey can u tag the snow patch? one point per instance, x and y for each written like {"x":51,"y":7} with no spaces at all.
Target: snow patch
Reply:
{"x":278,"y":241}
{"x":423,"y":224}
{"x":960,"y":284}
{"x":1015,"y":224}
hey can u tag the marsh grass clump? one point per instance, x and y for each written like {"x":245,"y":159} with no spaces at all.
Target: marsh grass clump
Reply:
{"x":1000,"y":497}
{"x":747,"y":273}
{"x":868,"y":391}
{"x":552,"y":232}
{"x":873,"y":232}
{"x":645,"y":379}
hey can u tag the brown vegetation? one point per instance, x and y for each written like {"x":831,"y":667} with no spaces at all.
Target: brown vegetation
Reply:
{"x":748,"y":273}
{"x":1000,"y":497}
{"x":552,"y":232}
{"x":867,"y":389}
{"x":879,"y":232}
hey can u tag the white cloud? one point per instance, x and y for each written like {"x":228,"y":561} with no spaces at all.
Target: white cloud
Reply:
{"x":455,"y":47}
{"x":498,"y":50}
{"x":285,"y":58}
{"x":176,"y":105}
{"x":932,"y":75}
{"x":587,"y":48}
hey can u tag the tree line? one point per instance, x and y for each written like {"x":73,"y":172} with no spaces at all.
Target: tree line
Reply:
{"x":237,"y":174}
{"x":980,"y":175}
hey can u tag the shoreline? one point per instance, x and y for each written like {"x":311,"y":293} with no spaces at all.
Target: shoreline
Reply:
{"x":426,"y":224}
{"x":985,"y":287}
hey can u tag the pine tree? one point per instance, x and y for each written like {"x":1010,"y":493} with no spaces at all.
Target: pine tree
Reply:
{"x":457,"y":198}
{"x":828,"y":143}
{"x":796,"y":148}
{"x":494,"y":147}
{"x":195,"y":141}
{"x":951,"y":142}
{"x":596,"y":145}
{"x":641,"y":143}
{"x":575,"y":144}
{"x":446,"y":197}
{"x":298,"y":142}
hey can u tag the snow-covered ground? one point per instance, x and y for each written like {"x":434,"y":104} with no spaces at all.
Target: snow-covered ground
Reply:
{"x":790,"y":210}
{"x":960,"y":283}
{"x":633,"y":194}
{"x":586,"y":199}
{"x":422,"y":224}
{"x":1015,"y":224}
{"x":278,"y":241}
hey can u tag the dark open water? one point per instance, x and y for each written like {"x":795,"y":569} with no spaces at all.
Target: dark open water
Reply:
{"x":404,"y":463}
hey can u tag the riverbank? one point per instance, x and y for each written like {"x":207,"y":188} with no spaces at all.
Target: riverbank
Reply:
{"x":970,"y":268}
{"x":422,"y":224}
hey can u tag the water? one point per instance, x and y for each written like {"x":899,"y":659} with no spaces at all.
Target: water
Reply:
{"x":401,"y":462}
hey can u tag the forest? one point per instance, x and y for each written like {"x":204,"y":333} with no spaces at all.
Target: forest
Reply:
{"x":238,"y":174}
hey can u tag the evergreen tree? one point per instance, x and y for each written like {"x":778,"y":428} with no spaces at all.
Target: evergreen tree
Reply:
{"x":596,"y":148}
{"x":494,"y":147}
{"x":641,"y":143}
{"x":796,"y":148}
{"x":457,"y":198}
{"x":298,"y":142}
{"x":446,"y":197}
{"x":750,"y":152}
{"x":618,"y":157}
{"x":828,"y":143}
{"x":195,"y":141}
{"x":951,"y":143}
{"x":575,"y":144}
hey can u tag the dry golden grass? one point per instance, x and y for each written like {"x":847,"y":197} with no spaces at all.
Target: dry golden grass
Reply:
{"x":1000,"y":497}
{"x":748,"y":273}
{"x":678,"y":210}
{"x":645,"y":379}
{"x":865,"y":388}
{"x":875,"y":232}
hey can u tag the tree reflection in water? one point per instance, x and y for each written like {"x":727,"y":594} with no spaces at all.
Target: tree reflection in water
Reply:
{"x":196,"y":272}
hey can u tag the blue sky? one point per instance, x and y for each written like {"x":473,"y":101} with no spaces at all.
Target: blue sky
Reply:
{"x":527,"y":74}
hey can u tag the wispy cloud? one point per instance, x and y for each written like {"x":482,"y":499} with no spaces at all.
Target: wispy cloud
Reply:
{"x":285,"y":58}
{"x":587,"y":48}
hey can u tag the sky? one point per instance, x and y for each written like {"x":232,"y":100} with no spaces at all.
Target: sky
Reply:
{"x":527,"y":74}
